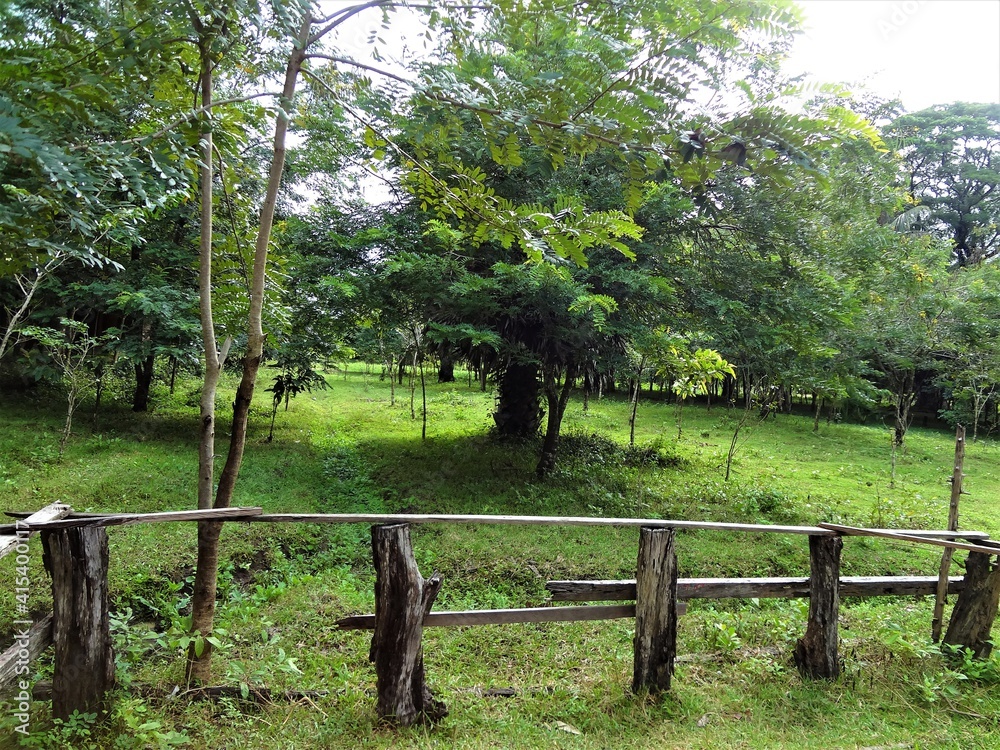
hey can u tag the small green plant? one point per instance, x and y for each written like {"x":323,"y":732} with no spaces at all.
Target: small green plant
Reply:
{"x":131,"y":643}
{"x":898,"y":640}
{"x":180,"y":637}
{"x":74,"y":733}
{"x":261,"y":674}
{"x":963,"y":660}
{"x":939,"y":686}
{"x":723,"y":636}
{"x":138,"y":731}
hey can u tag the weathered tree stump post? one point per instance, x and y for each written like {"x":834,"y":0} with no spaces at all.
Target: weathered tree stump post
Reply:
{"x":84,"y":671}
{"x":402,"y":600}
{"x":655,"y":610}
{"x":976,"y":608}
{"x":816,"y":653}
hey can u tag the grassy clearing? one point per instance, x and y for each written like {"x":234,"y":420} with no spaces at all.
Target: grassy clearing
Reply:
{"x":347,"y":449}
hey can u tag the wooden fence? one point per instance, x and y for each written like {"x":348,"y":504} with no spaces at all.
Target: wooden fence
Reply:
{"x":76,"y":554}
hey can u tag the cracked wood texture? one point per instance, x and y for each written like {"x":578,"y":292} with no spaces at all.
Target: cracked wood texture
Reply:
{"x":84,"y":664}
{"x":402,"y":600}
{"x":976,"y":608}
{"x":655,"y":611}
{"x":816,"y":654}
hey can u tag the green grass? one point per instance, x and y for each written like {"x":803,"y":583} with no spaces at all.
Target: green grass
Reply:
{"x":346,"y":449}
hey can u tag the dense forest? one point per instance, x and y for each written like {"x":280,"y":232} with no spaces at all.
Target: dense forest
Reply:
{"x":550,"y":199}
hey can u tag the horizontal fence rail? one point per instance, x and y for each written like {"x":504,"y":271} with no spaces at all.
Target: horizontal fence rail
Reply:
{"x":752,"y":588}
{"x":11,"y":536}
{"x":404,"y":599}
{"x":940,"y":537}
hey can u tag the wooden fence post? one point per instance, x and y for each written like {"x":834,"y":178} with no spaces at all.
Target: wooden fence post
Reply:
{"x":84,"y":666}
{"x":941,"y":595}
{"x":402,"y":600}
{"x":976,"y":608}
{"x":816,"y":654}
{"x":655,"y":610}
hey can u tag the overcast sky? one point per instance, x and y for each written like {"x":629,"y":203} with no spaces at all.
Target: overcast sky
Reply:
{"x":924,"y":51}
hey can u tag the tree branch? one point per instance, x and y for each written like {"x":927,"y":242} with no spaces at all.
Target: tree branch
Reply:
{"x":356,"y":64}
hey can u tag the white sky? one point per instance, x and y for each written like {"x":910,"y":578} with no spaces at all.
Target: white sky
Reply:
{"x":923,"y":51}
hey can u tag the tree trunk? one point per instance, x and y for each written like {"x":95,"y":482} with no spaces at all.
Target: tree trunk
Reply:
{"x":84,"y":664}
{"x":976,"y":608}
{"x":206,"y":571}
{"x":557,"y":399}
{"x":519,"y":413}
{"x":71,"y":395}
{"x":446,"y":370}
{"x":655,"y":611}
{"x":392,"y":380}
{"x":413,"y":382}
{"x":635,"y":405}
{"x":423,"y":403}
{"x":98,"y":390}
{"x":213,"y":358}
{"x":905,"y":398}
{"x":402,"y":600}
{"x":816,"y":654}
{"x":143,"y":381}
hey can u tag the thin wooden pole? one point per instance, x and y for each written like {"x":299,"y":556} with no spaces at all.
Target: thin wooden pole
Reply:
{"x":937,"y":540}
{"x":816,"y":653}
{"x":655,"y":611}
{"x":941,"y":595}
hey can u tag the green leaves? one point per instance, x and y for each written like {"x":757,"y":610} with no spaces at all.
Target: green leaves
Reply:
{"x":951,"y":160}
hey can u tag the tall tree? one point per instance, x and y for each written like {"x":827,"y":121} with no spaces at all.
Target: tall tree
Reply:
{"x":951,"y":162}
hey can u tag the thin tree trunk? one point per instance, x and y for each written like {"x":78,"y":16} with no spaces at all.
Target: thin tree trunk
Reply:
{"x":557,"y":399}
{"x":413,"y":385}
{"x":274,"y":415}
{"x":213,"y":359}
{"x":206,"y":572}
{"x":28,"y":290}
{"x":98,"y":390}
{"x":423,"y":396}
{"x":173,"y":373}
{"x":392,"y":380}
{"x":635,"y":402}
{"x":68,"y":427}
